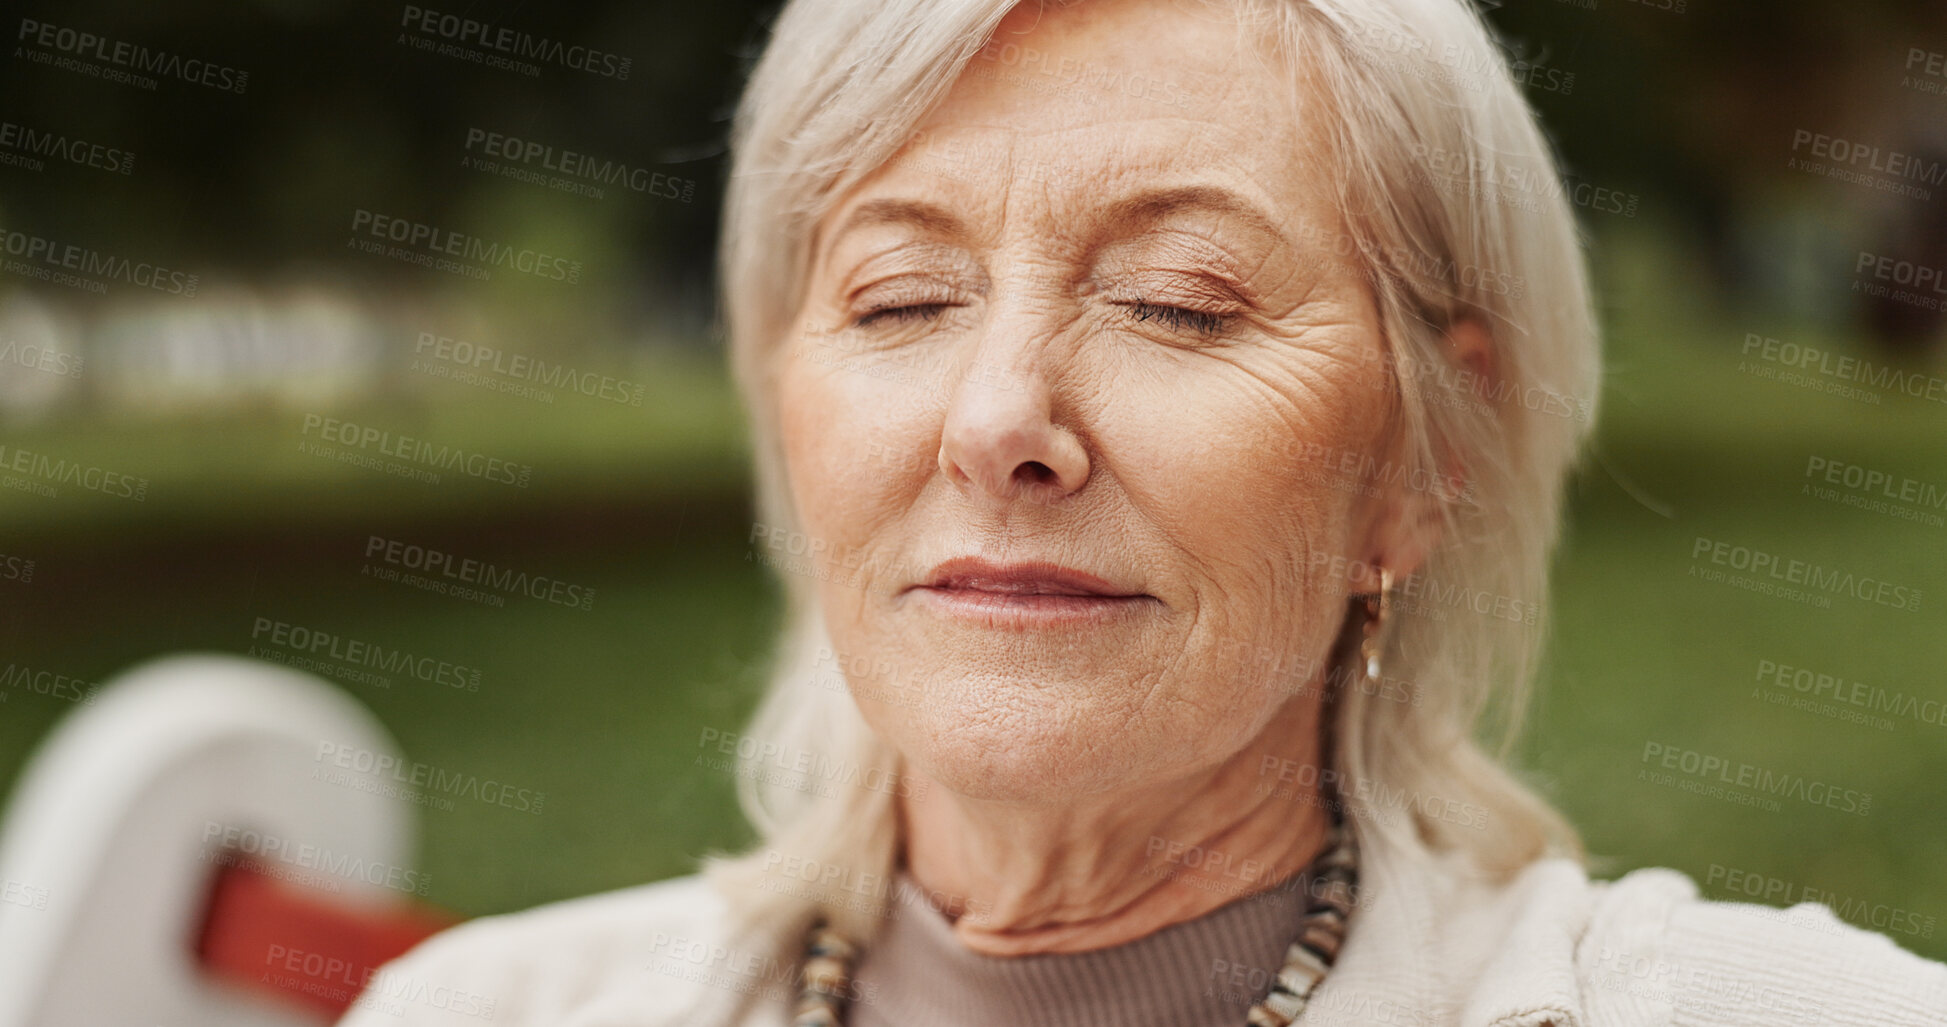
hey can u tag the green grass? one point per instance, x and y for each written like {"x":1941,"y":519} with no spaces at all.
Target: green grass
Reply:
{"x":599,"y":710}
{"x":1692,"y":445}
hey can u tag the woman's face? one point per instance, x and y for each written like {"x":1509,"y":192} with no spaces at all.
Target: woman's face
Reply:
{"x":1093,"y":318}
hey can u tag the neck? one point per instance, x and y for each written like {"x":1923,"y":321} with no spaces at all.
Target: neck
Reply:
{"x":1103,"y":870}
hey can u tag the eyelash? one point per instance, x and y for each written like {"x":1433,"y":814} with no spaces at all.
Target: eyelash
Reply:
{"x":1202,"y":322}
{"x":1178,"y":319}
{"x":909,"y":312}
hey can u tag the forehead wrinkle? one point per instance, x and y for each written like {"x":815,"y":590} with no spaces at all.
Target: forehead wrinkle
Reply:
{"x":1085,"y":162}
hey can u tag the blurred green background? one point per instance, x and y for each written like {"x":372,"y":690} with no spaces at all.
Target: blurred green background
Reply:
{"x":1692,"y":112}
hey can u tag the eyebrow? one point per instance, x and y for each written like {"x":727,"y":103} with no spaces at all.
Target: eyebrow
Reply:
{"x":1157,"y":204}
{"x":929,"y":216}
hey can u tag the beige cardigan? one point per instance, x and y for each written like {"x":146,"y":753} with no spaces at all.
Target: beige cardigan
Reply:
{"x":1425,"y":949}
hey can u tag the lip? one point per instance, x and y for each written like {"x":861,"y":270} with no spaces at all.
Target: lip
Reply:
{"x":1024,"y":595}
{"x":973,"y":574}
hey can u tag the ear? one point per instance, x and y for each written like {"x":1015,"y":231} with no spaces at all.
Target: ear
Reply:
{"x":1410,"y":528}
{"x":1470,"y":345}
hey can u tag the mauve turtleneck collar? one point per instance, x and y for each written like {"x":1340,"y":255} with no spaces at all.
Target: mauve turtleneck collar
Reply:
{"x":1205,"y":972}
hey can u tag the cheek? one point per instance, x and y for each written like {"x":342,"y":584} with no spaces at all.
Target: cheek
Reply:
{"x":1228,"y":466}
{"x":858,"y":451}
{"x":850,"y":446}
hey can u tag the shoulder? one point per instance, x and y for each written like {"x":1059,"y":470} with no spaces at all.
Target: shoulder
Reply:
{"x":1655,"y":947}
{"x":645,"y":955}
{"x":1445,"y":945}
{"x":1646,"y":948}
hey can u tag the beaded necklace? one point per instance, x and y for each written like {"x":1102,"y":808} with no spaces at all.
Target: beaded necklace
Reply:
{"x":1333,"y":882}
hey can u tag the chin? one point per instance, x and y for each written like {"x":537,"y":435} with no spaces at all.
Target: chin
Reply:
{"x":1023,"y":772}
{"x":1005,"y":741}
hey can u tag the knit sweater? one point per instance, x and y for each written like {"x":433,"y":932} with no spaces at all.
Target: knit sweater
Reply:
{"x":1428,"y":946}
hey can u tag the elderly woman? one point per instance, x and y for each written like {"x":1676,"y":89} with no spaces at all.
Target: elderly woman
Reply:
{"x":1161,"y":409}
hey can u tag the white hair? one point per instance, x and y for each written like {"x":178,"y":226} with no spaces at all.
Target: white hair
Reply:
{"x":1453,"y":204}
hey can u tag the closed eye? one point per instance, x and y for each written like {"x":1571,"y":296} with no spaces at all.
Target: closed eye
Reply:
{"x":899,"y":314}
{"x":1177,"y":319}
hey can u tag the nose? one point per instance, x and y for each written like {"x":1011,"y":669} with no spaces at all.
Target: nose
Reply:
{"x":1000,"y":437}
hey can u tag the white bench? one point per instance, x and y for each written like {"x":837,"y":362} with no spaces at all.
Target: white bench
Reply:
{"x":115,"y":843}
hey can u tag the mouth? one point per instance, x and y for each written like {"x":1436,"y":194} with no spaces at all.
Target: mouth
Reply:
{"x":1024,"y":595}
{"x":971,"y":574}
